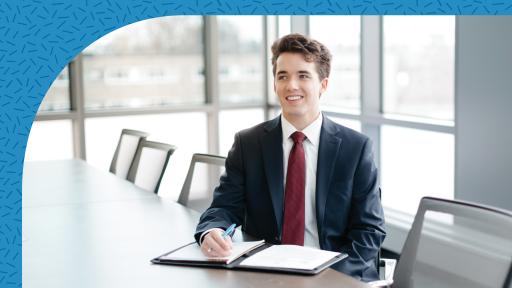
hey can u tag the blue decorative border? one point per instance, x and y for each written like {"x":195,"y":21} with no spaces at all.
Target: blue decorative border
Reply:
{"x":38,"y":38}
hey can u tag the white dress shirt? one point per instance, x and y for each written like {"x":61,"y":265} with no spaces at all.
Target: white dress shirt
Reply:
{"x":311,"y":144}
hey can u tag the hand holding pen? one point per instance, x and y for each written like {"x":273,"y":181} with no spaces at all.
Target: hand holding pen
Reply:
{"x":217,"y":243}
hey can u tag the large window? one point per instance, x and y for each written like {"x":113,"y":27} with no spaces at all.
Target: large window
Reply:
{"x":418,"y":80}
{"x":155,"y":62}
{"x":160,"y":62}
{"x":241,"y":67}
{"x":419,"y":66}
{"x":341,"y":35}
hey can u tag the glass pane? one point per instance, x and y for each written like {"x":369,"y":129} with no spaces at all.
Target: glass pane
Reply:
{"x":342,"y":36}
{"x":352,"y":124}
{"x":232,"y":121}
{"x":50,"y":140}
{"x":241,"y":59}
{"x":418,"y":65}
{"x":415,"y":163}
{"x":102,"y":136}
{"x":284,"y":25}
{"x":149,"y":63}
{"x":57,"y":97}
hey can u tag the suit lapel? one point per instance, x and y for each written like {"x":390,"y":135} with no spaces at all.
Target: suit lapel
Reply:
{"x":327,"y":154}
{"x":271,"y":143}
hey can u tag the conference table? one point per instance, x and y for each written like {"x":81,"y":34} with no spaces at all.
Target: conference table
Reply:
{"x":83,"y":227}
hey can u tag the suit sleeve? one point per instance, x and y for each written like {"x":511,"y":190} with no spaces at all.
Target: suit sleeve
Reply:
{"x":366,"y":220}
{"x":228,"y":203}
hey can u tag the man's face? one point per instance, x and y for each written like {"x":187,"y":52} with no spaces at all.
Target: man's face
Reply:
{"x":298,"y":87}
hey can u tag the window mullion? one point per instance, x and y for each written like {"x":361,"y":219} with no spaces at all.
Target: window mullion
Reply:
{"x":371,"y":78}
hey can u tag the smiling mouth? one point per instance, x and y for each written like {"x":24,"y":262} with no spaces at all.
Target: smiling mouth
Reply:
{"x":294,"y":97}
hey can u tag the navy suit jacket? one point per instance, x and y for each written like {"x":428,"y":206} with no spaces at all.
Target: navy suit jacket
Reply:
{"x":348,"y":208}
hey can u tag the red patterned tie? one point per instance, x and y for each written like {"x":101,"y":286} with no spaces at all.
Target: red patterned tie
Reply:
{"x":293,"y":223}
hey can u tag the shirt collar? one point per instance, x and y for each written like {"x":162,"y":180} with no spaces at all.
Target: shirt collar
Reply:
{"x":312,"y":131}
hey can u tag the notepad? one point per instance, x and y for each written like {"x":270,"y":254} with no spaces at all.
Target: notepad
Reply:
{"x":256,"y":255}
{"x":289,"y":257}
{"x":192,"y":252}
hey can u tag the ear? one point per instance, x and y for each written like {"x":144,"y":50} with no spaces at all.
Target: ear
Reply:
{"x":323,"y":85}
{"x":275,"y":85}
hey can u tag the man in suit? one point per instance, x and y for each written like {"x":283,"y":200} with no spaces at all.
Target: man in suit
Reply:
{"x":300,"y":178}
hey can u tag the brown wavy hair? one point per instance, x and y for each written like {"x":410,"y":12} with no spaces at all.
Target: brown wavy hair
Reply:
{"x":312,"y":50}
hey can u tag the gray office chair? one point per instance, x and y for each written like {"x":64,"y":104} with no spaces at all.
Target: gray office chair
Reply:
{"x":202,"y":194}
{"x":456,"y":244}
{"x":125,"y":151}
{"x":149,"y":164}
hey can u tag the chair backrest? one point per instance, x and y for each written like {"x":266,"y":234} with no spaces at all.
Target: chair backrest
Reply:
{"x":125,"y":151}
{"x":456,"y":244}
{"x":201,"y":198}
{"x":149,"y":164}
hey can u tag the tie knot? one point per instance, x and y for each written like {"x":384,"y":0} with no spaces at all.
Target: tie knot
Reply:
{"x":298,"y":137}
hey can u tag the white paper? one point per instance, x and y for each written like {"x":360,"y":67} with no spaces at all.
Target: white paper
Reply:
{"x":290,"y":256}
{"x":193,"y":252}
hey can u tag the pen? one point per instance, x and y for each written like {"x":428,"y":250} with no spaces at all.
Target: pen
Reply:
{"x":229,"y":230}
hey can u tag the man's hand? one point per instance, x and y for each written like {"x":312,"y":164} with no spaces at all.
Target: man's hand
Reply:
{"x":214,"y":245}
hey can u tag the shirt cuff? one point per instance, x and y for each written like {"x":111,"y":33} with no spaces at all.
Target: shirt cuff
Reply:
{"x":206,"y":232}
